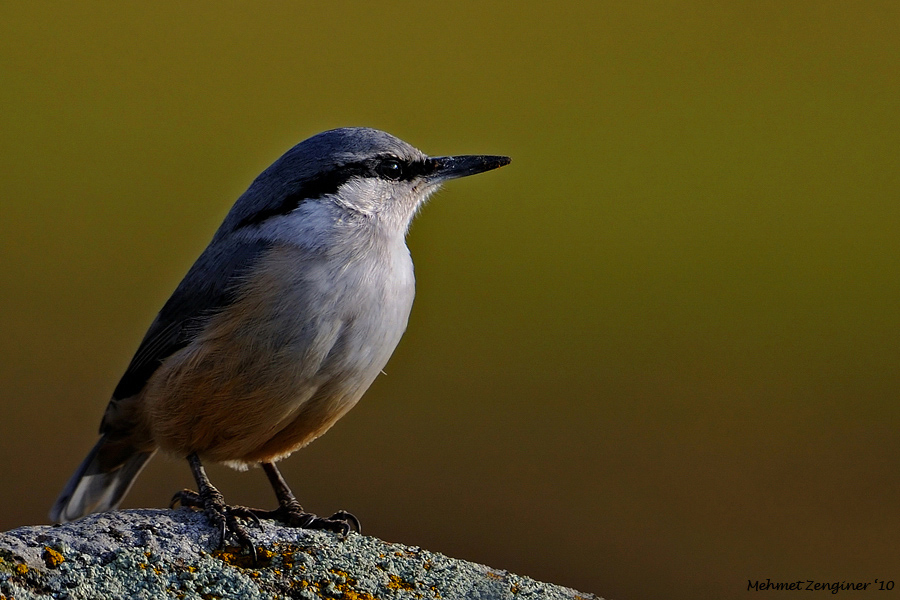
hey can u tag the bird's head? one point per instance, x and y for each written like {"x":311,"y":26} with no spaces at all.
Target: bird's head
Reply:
{"x":366,"y":172}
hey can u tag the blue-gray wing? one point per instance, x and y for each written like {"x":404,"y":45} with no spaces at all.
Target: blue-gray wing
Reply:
{"x":207,"y":288}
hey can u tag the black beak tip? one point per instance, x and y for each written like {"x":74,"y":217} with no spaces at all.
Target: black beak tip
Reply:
{"x":453,"y":167}
{"x":489,"y":163}
{"x":501,"y":161}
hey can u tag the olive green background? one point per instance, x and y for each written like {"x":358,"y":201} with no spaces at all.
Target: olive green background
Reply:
{"x":656,"y":356}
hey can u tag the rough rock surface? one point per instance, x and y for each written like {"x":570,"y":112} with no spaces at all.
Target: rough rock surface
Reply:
{"x":173,"y":554}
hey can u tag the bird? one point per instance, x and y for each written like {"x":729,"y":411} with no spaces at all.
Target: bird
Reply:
{"x":276,"y":331}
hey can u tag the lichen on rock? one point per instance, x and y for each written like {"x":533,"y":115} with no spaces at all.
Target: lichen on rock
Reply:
{"x":174,"y":554}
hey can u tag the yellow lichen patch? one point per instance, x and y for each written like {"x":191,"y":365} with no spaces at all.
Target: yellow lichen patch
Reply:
{"x":345,"y":587}
{"x":52,"y":558}
{"x":288,"y":554}
{"x":353,"y":595}
{"x":264,"y":553}
{"x":234,"y":556}
{"x":9,"y":563}
{"x":304,"y":584}
{"x":396,"y":583}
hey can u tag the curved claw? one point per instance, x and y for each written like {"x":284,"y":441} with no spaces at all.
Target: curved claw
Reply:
{"x":221,"y":516}
{"x":187,"y":498}
{"x":293,"y":515}
{"x":342,"y":528}
{"x":301,"y":520}
{"x":340,"y":523}
{"x":222,"y":534}
{"x":347,"y":518}
{"x":245,"y":513}
{"x":225,"y":519}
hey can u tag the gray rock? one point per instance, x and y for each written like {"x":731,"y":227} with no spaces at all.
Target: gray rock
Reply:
{"x":173,"y":554}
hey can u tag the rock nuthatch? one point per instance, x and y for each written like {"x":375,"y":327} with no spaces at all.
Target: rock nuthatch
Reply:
{"x":277,"y":330}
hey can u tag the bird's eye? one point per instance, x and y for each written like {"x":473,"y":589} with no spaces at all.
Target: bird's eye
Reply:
{"x":390,"y":169}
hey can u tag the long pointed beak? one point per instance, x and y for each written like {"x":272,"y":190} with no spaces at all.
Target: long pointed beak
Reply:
{"x":454,"y":167}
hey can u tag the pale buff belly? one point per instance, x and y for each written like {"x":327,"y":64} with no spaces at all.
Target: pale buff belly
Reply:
{"x":256,"y":388}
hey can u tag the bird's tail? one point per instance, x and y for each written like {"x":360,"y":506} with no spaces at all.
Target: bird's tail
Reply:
{"x":101,"y":481}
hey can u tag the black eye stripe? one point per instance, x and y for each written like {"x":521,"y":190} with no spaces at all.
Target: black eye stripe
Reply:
{"x":329,"y":182}
{"x":408,"y":170}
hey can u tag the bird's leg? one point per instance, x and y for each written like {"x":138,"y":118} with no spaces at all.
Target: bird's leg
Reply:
{"x":222,"y":516}
{"x":291,"y":513}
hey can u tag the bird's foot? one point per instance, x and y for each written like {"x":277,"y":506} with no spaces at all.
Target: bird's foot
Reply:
{"x":223,"y":517}
{"x":293,"y":515}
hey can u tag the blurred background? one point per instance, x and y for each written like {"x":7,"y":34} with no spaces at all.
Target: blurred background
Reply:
{"x":656,"y":356}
